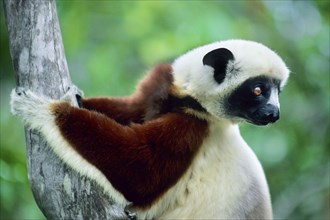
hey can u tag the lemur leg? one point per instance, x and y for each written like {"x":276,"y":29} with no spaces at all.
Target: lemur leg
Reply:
{"x":36,"y":112}
{"x":34,"y":109}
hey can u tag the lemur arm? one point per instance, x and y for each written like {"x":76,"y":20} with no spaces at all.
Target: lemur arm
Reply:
{"x":122,"y":110}
{"x":153,"y":89}
{"x":140,"y":161}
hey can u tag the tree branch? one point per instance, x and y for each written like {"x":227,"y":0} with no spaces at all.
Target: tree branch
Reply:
{"x":39,"y":63}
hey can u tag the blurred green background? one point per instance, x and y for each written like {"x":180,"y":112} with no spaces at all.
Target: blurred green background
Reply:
{"x":110,"y":44}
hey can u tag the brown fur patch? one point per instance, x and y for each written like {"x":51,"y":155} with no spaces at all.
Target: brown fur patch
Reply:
{"x":141,"y":161}
{"x":140,"y":144}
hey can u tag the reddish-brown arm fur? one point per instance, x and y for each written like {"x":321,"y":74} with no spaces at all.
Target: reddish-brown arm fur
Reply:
{"x":142,"y":105}
{"x":141,"y":161}
{"x":122,"y":110}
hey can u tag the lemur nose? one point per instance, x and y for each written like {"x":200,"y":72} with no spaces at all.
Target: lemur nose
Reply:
{"x":272,"y":114}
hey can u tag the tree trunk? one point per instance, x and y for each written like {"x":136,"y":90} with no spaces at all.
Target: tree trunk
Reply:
{"x":39,"y":63}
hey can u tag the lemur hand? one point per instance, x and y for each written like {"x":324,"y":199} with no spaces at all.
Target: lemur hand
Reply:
{"x":73,"y":95}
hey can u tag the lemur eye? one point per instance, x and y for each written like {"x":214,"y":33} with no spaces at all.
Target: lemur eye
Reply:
{"x":257,"y":91}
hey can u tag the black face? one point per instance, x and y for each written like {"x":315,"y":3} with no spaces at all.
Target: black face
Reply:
{"x":251,"y":101}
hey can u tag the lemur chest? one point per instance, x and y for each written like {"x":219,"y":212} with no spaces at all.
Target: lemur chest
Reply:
{"x":218,"y":182}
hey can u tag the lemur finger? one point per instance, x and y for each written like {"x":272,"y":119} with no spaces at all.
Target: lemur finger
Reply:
{"x":73,"y":95}
{"x":129,"y":211}
{"x":75,"y":90}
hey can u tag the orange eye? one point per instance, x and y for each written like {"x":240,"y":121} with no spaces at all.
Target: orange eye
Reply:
{"x":257,"y":91}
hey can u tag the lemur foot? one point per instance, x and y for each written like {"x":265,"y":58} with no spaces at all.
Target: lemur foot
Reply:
{"x":33,"y":109}
{"x":129,"y":212}
{"x":23,"y":101}
{"x":73,"y":95}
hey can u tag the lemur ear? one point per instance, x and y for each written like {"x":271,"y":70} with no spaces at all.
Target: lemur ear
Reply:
{"x":218,"y":59}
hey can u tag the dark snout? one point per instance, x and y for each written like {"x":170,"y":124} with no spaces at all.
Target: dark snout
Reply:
{"x":265,"y":115}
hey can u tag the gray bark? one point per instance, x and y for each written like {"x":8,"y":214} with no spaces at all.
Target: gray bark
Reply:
{"x":39,"y":63}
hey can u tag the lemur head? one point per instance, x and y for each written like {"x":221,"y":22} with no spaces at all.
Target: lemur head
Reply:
{"x":234,"y":79}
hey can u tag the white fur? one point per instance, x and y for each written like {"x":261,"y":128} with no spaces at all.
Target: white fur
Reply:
{"x":35,"y":111}
{"x":225,"y":181}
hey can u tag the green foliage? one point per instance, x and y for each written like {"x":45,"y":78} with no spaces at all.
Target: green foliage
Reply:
{"x":111,"y":44}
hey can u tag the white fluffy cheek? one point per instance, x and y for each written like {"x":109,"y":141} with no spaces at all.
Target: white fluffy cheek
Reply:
{"x":201,"y":82}
{"x":213,"y":106}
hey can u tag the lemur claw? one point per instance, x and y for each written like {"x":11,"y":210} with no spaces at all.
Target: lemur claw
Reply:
{"x":128,"y":211}
{"x":20,"y":90}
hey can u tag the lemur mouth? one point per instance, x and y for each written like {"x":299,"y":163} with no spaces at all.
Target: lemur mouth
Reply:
{"x":260,"y":123}
{"x":262,"y":117}
{"x":252,"y":120}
